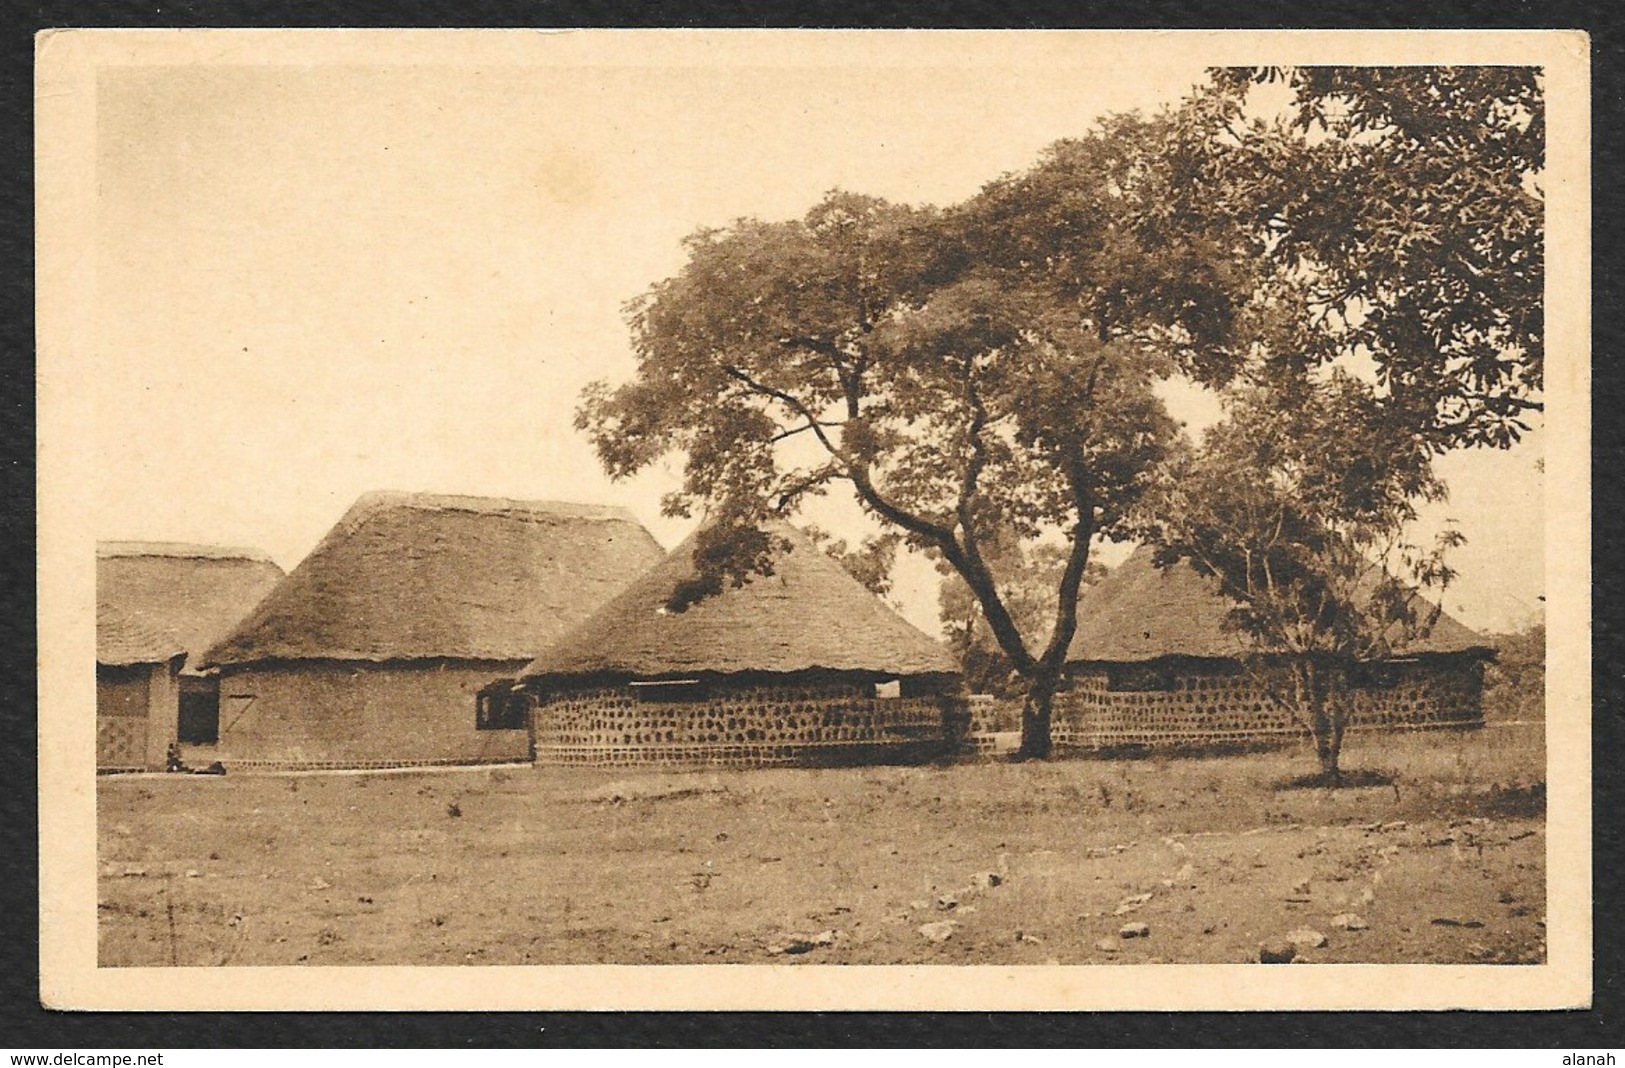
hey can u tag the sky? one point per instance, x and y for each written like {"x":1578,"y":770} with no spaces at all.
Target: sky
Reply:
{"x":319,"y":279}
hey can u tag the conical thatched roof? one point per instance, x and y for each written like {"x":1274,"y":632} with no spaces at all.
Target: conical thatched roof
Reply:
{"x":809,"y":614}
{"x":181,"y":597}
{"x":420,"y":576}
{"x":1142,"y":612}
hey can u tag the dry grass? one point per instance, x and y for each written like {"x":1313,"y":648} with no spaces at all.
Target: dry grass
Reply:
{"x":540,"y":865}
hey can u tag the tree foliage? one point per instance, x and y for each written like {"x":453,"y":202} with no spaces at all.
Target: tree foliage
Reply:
{"x":1402,"y":212}
{"x":870,"y":561}
{"x":1396,"y":216}
{"x":1515,"y":683}
{"x":983,"y":375}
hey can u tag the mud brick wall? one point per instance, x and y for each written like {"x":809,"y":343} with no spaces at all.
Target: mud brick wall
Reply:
{"x":984,"y":711}
{"x":309,"y":715}
{"x":1217,"y":709}
{"x":740,"y":726}
{"x":121,"y":718}
{"x":137,"y":714}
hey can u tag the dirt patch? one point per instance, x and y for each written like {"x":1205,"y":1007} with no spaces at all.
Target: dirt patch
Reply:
{"x":655,"y":786}
{"x":980,"y":864}
{"x":1358,"y":779}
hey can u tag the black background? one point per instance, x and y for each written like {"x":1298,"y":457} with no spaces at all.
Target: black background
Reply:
{"x":24,"y":1024}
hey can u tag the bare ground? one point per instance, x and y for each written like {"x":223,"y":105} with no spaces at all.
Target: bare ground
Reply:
{"x":997,"y":863}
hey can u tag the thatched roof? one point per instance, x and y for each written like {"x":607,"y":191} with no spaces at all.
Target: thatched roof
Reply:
{"x":178,"y":596}
{"x":808,"y":615}
{"x":420,"y":576}
{"x":123,"y":639}
{"x":1142,"y":612}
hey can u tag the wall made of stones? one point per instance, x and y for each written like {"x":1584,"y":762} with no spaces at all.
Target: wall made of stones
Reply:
{"x":983,"y":723}
{"x":1433,"y":693}
{"x":757,"y":725}
{"x":1219,"y":709}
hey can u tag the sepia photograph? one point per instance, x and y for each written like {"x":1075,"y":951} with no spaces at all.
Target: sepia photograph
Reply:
{"x":829,"y":519}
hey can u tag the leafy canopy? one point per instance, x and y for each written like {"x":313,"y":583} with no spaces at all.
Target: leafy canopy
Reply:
{"x":973,"y":374}
{"x":1401,"y":212}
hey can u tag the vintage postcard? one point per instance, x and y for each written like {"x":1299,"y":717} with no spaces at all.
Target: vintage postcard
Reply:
{"x":814,"y":520}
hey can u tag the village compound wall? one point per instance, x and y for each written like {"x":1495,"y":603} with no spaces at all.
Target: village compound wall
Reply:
{"x":1195,"y":708}
{"x":743,"y":726}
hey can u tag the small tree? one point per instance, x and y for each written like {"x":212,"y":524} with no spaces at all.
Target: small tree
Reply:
{"x":1396,"y":220}
{"x":1297,"y":505}
{"x":1515,"y":682}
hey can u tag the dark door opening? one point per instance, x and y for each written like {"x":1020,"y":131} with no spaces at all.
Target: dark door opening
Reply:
{"x":200,"y":716}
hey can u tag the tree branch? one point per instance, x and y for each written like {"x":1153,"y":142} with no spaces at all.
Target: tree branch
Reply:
{"x":794,"y":403}
{"x":972,"y":568}
{"x":793,"y":431}
{"x":1066,"y":608}
{"x":793,"y":489}
{"x":978,"y":453}
{"x":824,"y":348}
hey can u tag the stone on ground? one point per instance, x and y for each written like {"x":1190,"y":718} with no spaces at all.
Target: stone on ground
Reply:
{"x":809,"y":943}
{"x":1306,"y":938}
{"x":1276,"y":951}
{"x":1129,"y":904}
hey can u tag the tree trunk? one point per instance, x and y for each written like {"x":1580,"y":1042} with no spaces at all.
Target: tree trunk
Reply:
{"x":1321,"y":692}
{"x":1035,"y":718}
{"x":1326,"y":752}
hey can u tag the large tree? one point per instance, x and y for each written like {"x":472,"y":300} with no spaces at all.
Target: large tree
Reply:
{"x":971,"y":375}
{"x":985,"y":373}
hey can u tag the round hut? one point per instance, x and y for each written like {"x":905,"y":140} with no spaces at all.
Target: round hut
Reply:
{"x":803,"y":666}
{"x":1153,"y":665}
{"x":185,"y":597}
{"x":379,"y":649}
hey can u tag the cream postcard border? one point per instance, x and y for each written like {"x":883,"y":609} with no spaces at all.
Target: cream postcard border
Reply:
{"x":67,"y":63}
